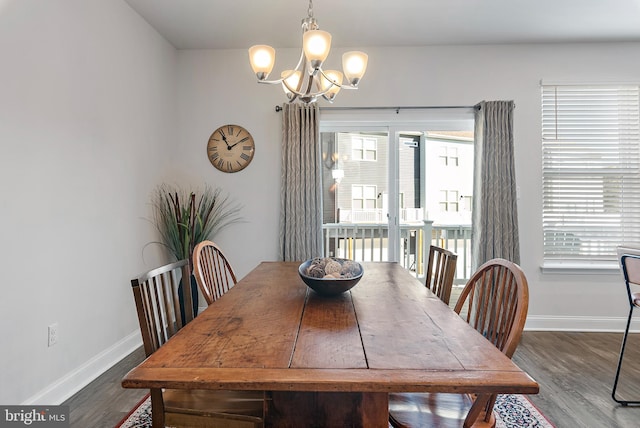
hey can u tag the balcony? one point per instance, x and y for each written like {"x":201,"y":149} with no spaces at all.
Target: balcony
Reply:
{"x":368,"y":240}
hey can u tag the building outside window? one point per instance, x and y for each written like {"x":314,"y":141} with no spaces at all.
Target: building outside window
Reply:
{"x":363,"y":197}
{"x":364,"y":148}
{"x":449,"y":201}
{"x":449,"y":156}
{"x":449,"y":177}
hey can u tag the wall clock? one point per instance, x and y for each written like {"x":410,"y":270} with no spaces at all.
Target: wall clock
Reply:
{"x":230,"y":148}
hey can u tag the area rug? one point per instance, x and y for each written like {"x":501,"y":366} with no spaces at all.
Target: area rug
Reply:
{"x":512,"y":411}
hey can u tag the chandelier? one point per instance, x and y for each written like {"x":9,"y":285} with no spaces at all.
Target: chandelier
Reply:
{"x":308,"y":81}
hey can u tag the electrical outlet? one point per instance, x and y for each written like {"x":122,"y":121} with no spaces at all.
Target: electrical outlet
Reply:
{"x":53,"y":334}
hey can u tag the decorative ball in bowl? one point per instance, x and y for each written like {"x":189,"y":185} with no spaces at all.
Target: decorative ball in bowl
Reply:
{"x":330,"y":276}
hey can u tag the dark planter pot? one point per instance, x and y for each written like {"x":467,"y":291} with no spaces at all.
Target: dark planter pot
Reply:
{"x":194,"y":298}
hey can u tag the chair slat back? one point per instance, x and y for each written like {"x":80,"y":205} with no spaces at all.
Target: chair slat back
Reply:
{"x":158,"y":304}
{"x":212,"y":271}
{"x":496,"y":301}
{"x":441,"y":270}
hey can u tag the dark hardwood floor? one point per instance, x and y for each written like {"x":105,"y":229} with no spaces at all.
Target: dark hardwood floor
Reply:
{"x":575,"y":372}
{"x":103,"y":403}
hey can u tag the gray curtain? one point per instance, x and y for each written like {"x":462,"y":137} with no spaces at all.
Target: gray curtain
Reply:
{"x":301,"y":187}
{"x":494,"y":222}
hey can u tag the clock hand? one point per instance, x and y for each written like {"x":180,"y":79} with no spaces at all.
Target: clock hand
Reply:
{"x":244,"y":139}
{"x":224,"y":137}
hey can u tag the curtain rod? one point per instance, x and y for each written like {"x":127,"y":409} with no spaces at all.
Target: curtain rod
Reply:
{"x":397,"y":109}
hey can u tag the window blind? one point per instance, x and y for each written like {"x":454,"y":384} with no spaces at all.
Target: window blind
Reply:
{"x":590,"y":170}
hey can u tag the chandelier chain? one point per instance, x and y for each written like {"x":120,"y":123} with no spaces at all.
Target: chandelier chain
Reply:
{"x":310,"y":11}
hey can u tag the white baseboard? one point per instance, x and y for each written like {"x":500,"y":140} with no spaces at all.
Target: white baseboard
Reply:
{"x":587,"y":324}
{"x":66,"y":386}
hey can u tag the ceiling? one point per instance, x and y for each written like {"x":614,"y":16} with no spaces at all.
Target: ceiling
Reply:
{"x":238,"y":24}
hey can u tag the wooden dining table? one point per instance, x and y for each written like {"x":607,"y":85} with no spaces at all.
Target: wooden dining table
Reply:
{"x":330,"y":361}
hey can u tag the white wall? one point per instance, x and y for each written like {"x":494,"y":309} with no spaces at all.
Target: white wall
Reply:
{"x":214,"y":89}
{"x":217,"y":87}
{"x":87,"y":115}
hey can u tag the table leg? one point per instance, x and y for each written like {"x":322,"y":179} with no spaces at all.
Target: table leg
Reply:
{"x":327,"y":409}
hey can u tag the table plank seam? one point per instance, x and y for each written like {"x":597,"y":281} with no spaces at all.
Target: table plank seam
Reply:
{"x":295,"y":340}
{"x":364,"y":349}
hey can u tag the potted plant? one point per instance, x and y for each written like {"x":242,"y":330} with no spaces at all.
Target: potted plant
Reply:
{"x":185,"y":218}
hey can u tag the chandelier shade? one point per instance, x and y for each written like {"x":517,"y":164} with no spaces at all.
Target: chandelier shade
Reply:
{"x":308,"y":81}
{"x":330,"y":83}
{"x":291,"y":81}
{"x":354,"y":64}
{"x":263,"y":58}
{"x":316,"y":45}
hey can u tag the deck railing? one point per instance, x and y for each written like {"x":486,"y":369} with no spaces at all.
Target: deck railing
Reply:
{"x":456,"y":238}
{"x":369,"y":242}
{"x":378,"y":215}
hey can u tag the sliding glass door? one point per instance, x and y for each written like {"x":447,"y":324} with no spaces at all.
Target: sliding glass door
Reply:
{"x":383,"y":184}
{"x":356,"y":193}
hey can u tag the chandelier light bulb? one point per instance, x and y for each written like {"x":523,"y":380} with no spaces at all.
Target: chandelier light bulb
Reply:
{"x":354,"y":64}
{"x":262,"y":59}
{"x":290,"y":79}
{"x":330,"y":86}
{"x":316,"y":45}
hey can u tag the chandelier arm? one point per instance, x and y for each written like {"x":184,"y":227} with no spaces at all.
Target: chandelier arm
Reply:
{"x":343,"y":86}
{"x":293,"y":97}
{"x":292,"y":90}
{"x":307,"y":92}
{"x":298,"y":93}
{"x":282,"y":79}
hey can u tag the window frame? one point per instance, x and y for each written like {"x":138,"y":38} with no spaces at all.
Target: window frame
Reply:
{"x":364,"y":199}
{"x":590,"y":135}
{"x":362,"y":146}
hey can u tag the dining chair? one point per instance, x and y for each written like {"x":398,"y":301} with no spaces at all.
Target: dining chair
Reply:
{"x":441,"y":270}
{"x":212,"y":270}
{"x":631,"y":271}
{"x":494,"y":301}
{"x":159,"y":310}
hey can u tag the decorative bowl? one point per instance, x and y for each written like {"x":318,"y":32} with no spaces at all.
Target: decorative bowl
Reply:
{"x":313,"y":274}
